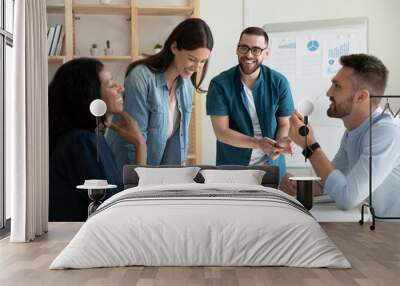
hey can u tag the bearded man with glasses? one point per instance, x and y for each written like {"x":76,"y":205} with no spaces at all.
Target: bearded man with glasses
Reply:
{"x":250,"y":106}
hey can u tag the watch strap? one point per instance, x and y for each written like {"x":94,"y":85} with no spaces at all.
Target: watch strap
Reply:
{"x":309,"y":150}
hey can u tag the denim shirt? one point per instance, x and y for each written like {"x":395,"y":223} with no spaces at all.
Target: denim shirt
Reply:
{"x":146,"y":100}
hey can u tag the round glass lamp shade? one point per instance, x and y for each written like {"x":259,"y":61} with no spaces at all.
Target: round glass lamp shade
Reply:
{"x":98,"y":107}
{"x":305,"y":107}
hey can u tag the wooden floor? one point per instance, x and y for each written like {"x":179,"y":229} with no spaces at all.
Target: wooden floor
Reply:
{"x":374,"y":255}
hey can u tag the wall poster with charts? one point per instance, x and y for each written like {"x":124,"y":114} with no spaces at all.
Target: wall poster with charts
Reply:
{"x":308,"y":54}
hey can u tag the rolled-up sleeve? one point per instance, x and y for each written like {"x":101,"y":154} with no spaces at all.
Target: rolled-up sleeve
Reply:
{"x":336,"y":188}
{"x":216,"y":103}
{"x":285,"y":105}
{"x":351,"y":188}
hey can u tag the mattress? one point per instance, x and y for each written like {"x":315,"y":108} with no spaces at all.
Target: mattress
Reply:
{"x":201,"y":225}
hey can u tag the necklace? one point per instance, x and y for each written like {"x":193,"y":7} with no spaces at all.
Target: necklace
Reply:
{"x":172,"y":86}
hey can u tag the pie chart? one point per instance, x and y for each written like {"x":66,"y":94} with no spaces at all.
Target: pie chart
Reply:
{"x":312,"y":45}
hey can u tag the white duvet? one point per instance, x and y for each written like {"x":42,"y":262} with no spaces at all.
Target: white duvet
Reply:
{"x":183,"y":231}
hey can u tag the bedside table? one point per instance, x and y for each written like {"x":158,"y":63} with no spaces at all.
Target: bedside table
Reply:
{"x":305,"y":190}
{"x":96,"y":193}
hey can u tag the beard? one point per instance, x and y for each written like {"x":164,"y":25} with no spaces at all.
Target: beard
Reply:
{"x":245,"y":69}
{"x":340,"y":110}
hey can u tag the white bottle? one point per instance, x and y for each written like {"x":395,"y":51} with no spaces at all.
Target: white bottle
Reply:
{"x":94,"y":51}
{"x":108,"y":51}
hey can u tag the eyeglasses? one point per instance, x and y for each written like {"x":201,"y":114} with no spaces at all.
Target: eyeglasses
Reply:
{"x":244,"y":49}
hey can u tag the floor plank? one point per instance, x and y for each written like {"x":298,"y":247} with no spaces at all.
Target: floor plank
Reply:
{"x":374,"y":255}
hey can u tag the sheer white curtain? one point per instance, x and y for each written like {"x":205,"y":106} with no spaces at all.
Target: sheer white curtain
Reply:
{"x":27,"y":124}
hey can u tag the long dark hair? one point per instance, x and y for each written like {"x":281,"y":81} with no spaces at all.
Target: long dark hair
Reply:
{"x":190,"y":34}
{"x":74,"y":86}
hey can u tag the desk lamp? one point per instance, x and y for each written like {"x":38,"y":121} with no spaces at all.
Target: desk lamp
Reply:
{"x":97,"y":108}
{"x":305,"y":108}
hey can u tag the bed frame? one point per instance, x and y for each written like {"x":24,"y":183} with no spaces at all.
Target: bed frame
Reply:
{"x":270,"y":179}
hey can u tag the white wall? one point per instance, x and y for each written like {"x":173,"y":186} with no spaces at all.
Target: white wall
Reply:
{"x":225,"y":19}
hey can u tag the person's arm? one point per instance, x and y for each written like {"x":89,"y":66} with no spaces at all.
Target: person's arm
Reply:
{"x":135,"y":104}
{"x":341,"y":160}
{"x":282,"y":137}
{"x":283,"y":127}
{"x":128,"y":129}
{"x":229,"y":136}
{"x":351,"y":189}
{"x":283,"y":113}
{"x":320,"y":163}
{"x":141,"y":154}
{"x":218,"y":108}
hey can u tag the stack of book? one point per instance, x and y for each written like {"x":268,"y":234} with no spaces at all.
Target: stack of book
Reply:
{"x":55,"y":40}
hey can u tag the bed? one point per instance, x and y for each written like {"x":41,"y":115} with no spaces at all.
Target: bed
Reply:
{"x":201,"y":224}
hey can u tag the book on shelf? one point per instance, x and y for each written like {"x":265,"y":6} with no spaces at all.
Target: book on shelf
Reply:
{"x":61,"y":41}
{"x":55,"y":39}
{"x":50,"y":37}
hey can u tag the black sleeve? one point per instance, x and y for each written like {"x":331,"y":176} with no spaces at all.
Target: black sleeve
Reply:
{"x":72,"y":162}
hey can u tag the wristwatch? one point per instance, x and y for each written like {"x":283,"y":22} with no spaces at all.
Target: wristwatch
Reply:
{"x":309,"y":150}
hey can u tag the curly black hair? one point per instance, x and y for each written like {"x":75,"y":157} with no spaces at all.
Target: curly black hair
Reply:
{"x":74,"y":86}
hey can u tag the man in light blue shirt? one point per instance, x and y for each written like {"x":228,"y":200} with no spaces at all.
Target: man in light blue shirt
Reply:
{"x":346,"y":178}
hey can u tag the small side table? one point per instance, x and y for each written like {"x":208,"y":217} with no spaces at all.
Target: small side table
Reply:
{"x":96,"y":194}
{"x":305,"y":190}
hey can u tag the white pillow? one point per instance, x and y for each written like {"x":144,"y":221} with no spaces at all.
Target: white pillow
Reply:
{"x":248,"y":177}
{"x":163,"y":176}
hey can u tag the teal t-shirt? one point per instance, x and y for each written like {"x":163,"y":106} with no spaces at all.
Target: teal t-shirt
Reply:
{"x":272,"y":99}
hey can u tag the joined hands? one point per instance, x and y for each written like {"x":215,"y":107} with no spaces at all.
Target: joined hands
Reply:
{"x":274,"y":148}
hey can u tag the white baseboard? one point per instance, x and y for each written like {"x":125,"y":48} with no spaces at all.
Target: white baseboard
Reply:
{"x":328,"y":212}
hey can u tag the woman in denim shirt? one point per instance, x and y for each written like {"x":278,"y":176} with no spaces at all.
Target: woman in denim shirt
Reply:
{"x":158,"y":94}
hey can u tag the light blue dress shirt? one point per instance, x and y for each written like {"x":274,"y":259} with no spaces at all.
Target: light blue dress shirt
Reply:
{"x":348,"y":185}
{"x":146,"y":100}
